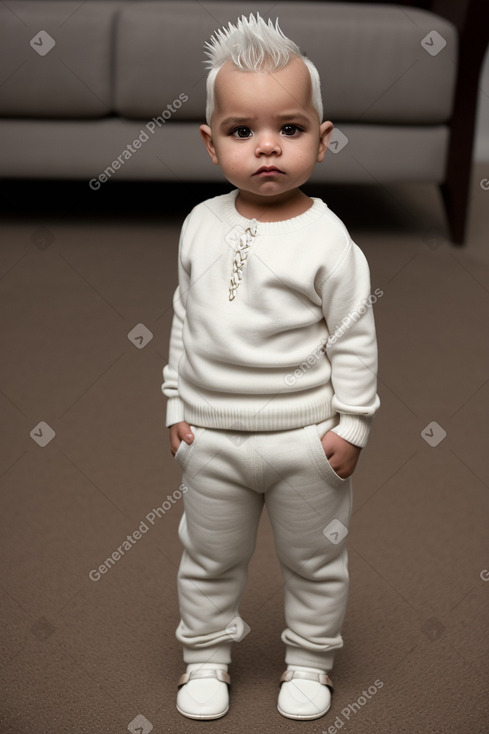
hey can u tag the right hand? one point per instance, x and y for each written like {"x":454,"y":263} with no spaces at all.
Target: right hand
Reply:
{"x":180,"y":432}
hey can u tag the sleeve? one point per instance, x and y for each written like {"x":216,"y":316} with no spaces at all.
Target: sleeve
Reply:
{"x":352,"y":345}
{"x":169,"y":388}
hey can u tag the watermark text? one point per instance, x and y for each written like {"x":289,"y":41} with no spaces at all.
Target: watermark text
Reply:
{"x":155,"y":514}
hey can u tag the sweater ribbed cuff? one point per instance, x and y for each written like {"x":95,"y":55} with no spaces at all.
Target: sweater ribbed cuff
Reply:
{"x":354,"y":428}
{"x":174,"y":411}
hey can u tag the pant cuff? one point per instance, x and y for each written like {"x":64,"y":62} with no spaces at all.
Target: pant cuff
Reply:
{"x":310,"y":659}
{"x":215,"y":654}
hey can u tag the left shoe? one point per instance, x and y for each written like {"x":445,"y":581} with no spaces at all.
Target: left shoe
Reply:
{"x":305,"y":693}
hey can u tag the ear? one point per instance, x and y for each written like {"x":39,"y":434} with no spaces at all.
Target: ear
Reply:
{"x":325,"y":133}
{"x":206,"y":134}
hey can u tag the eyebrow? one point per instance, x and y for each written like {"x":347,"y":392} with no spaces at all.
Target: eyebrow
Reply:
{"x":243,"y":120}
{"x":235,"y":121}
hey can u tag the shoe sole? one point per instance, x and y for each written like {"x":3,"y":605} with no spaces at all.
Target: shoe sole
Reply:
{"x":303,"y":718}
{"x":203,"y":717}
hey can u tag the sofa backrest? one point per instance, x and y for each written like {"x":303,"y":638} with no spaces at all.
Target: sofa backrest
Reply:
{"x":379,"y":63}
{"x":75,"y":77}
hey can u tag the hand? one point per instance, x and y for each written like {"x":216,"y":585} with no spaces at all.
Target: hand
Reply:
{"x":180,"y":432}
{"x":341,"y":454}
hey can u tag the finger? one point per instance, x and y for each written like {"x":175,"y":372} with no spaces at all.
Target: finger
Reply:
{"x":185,"y":432}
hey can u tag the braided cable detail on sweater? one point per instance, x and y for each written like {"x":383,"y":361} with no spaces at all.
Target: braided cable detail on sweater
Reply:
{"x":240,"y":258}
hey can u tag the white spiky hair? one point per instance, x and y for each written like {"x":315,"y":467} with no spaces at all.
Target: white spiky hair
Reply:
{"x":254,"y":45}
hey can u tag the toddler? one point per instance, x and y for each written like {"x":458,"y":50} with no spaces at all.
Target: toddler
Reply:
{"x":271,"y":376}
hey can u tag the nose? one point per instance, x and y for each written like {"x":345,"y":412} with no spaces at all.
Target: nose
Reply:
{"x":268,"y":143}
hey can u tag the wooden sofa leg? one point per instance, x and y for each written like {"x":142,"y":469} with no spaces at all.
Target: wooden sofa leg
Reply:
{"x":470,"y":17}
{"x":455,"y":195}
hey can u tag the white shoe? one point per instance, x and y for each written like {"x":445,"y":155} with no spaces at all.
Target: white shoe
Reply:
{"x":203,"y":692}
{"x":305,"y":693}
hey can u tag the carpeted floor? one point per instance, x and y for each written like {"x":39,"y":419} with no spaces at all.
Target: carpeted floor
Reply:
{"x":85,"y":468}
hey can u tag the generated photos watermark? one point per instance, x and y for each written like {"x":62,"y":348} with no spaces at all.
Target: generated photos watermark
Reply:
{"x":140,"y":725}
{"x":335,"y":531}
{"x":338,"y":141}
{"x":433,"y":434}
{"x":140,"y":335}
{"x":155,"y":514}
{"x":237,"y":629}
{"x":42,"y":434}
{"x":337,"y":332}
{"x":353,"y":708}
{"x":42,"y":43}
{"x":433,"y":43}
{"x":143,"y":137}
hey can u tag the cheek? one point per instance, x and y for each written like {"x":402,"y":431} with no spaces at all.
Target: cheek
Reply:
{"x":311,"y":157}
{"x":306,"y":157}
{"x":233,"y":158}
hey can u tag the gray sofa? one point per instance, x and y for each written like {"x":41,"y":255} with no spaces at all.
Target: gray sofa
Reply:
{"x":112,"y":90}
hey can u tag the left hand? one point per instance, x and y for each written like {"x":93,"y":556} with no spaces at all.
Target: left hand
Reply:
{"x":342,"y":455}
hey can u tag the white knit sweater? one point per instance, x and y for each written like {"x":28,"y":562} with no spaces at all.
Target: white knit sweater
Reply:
{"x":273,"y":327}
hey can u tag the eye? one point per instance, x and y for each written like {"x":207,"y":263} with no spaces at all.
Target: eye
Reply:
{"x":289,"y":130}
{"x":241,"y":132}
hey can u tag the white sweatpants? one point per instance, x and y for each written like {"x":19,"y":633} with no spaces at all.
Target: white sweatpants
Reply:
{"x":230,"y":476}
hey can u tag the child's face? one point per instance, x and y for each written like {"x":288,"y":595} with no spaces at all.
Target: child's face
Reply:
{"x":266,"y":121}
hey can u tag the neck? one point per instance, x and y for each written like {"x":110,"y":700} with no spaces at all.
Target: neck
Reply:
{"x":271,"y":208}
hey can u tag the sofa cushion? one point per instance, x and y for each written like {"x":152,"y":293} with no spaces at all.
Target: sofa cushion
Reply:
{"x":112,"y":149}
{"x":372,"y":59}
{"x":71,"y":78}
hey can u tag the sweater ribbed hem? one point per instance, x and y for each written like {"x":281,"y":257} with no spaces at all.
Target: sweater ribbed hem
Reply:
{"x":353,"y":428}
{"x":239,"y":419}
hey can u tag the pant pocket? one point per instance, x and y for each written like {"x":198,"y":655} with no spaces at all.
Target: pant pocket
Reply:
{"x":319,"y":458}
{"x":184,"y":450}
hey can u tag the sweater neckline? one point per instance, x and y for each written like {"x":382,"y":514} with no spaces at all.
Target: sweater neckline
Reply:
{"x":286,"y":225}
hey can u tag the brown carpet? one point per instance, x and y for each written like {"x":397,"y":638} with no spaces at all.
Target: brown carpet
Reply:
{"x":79,"y":655}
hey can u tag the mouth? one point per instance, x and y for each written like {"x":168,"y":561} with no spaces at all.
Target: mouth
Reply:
{"x":268,"y":171}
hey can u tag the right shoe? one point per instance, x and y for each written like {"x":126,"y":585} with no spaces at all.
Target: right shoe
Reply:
{"x":203,"y":692}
